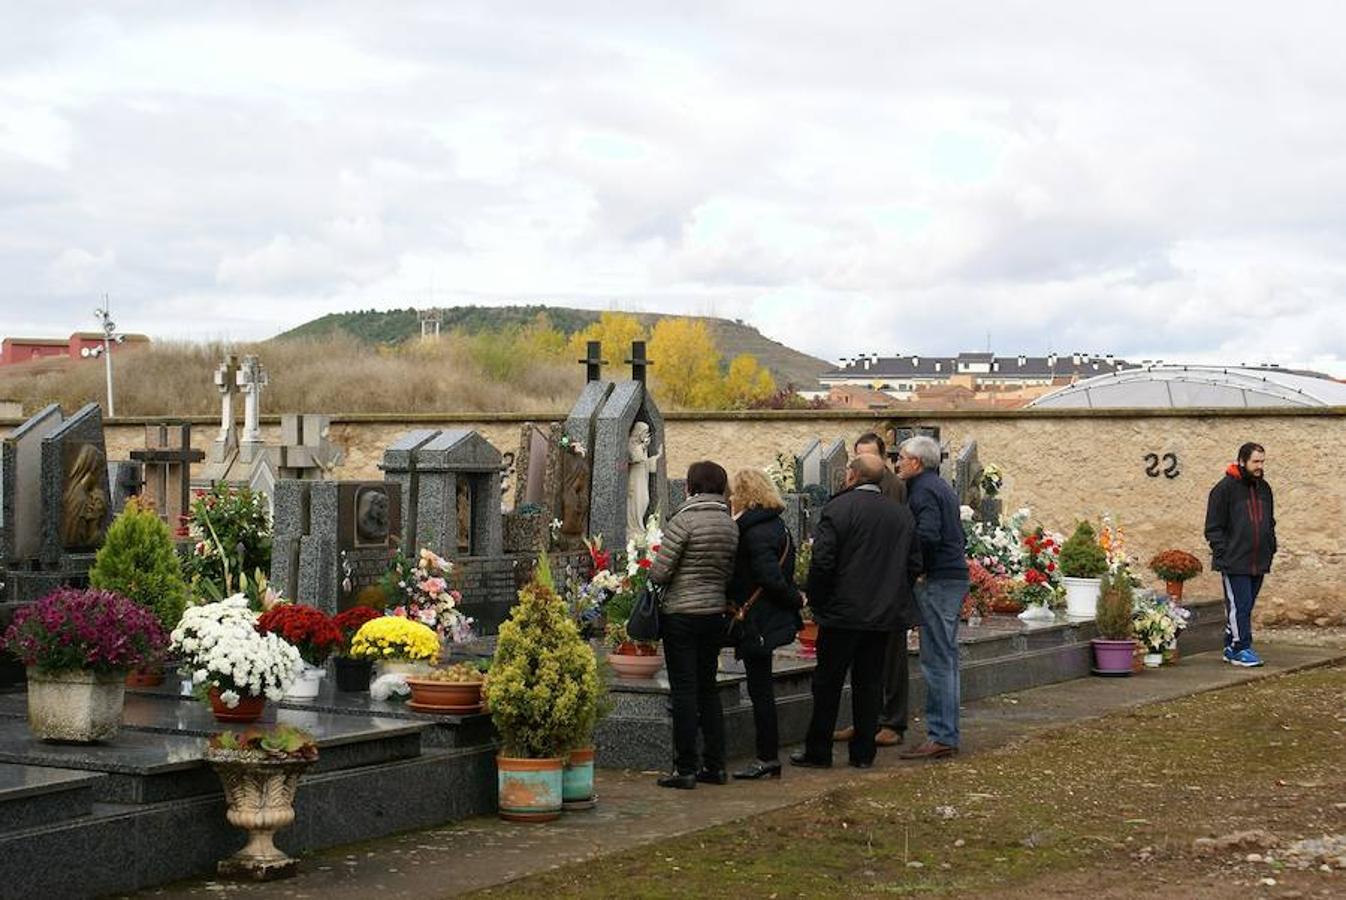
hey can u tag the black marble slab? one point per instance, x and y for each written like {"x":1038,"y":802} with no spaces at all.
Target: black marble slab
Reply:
{"x":32,"y":795}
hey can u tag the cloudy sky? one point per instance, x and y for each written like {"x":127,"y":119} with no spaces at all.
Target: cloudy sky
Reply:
{"x":1143,"y":178}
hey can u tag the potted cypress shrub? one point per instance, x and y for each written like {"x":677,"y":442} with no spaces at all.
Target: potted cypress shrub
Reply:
{"x":1115,"y":646}
{"x":137,"y":561}
{"x":78,"y":646}
{"x":542,"y":692}
{"x":1082,"y":561}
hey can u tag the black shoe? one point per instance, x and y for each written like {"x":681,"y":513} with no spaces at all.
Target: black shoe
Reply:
{"x":759,"y":769}
{"x":675,"y":780}
{"x":712,"y":776}
{"x":856,"y":764}
{"x":800,"y":758}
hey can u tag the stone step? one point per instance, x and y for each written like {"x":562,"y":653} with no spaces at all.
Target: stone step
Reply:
{"x":34,"y":795}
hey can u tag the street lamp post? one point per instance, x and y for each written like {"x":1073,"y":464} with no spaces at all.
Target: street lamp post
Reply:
{"x":109,"y":327}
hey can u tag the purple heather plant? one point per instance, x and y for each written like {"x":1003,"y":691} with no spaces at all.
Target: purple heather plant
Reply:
{"x":74,"y":628}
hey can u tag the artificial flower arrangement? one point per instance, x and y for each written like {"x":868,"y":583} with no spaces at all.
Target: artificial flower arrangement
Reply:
{"x":587,"y":599}
{"x":395,"y":637}
{"x":222,"y":648}
{"x":423,"y":594}
{"x":349,"y":621}
{"x":997,"y":546}
{"x":640,"y":552}
{"x":1042,"y":572}
{"x":84,"y":629}
{"x":985,"y":592}
{"x":1113,"y":542}
{"x":1155,"y":626}
{"x":310,"y":630}
{"x":992,"y":479}
{"x":1175,"y":565}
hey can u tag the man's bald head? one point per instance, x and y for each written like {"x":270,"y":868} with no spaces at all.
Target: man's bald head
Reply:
{"x":866,"y":468}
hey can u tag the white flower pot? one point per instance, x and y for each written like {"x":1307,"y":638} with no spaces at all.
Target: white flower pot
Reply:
{"x":1037,"y":614}
{"x":76,"y":706}
{"x":1154,"y":660}
{"x":306,"y":684}
{"x":1082,"y":597}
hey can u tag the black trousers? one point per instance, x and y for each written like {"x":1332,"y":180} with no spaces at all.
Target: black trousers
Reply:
{"x":896,"y":682}
{"x":839,"y":650}
{"x":761,"y":691}
{"x":692,"y":657}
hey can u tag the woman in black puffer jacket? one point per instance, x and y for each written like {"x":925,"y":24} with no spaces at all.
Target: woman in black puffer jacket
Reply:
{"x":764,"y":578}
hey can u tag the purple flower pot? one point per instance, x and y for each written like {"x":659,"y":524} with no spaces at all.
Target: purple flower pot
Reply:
{"x":1113,"y":657}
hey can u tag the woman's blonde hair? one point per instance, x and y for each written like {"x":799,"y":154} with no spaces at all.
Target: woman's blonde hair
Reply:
{"x":751,"y":489}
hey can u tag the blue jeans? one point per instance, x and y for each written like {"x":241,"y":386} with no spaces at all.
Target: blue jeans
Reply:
{"x":1240,"y":593}
{"x":939,"y":601}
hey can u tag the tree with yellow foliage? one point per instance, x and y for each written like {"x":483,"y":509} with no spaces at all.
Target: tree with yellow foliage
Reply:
{"x":748,"y":382}
{"x":686,"y":370}
{"x":615,"y":330}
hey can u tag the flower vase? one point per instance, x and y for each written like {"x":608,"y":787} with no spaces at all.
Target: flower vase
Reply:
{"x":1037,"y":613}
{"x":248,"y":709}
{"x":1174,"y":590}
{"x":306,"y":684}
{"x":1153,"y":660}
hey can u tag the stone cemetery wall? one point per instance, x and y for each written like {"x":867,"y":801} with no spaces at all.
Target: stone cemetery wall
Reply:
{"x":1150,"y":470}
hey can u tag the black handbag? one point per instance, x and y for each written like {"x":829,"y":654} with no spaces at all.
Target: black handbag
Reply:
{"x":752,"y":632}
{"x":643,"y":623}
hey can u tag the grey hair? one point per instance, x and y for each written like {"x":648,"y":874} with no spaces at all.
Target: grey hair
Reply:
{"x":923,"y":448}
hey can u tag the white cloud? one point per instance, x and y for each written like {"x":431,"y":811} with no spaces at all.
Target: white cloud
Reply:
{"x":889,"y":176}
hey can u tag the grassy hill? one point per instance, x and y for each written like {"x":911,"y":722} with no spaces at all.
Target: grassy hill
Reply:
{"x":787,"y":365}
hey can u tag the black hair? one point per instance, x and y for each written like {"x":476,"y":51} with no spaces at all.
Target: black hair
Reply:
{"x":870,"y":437}
{"x":1247,"y":450}
{"x":707,"y":477}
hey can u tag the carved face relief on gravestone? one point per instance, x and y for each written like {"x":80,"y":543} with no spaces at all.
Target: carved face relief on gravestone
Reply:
{"x":371,"y":517}
{"x":84,"y":502}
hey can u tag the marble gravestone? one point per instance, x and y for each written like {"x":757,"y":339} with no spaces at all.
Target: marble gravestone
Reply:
{"x":627,"y":404}
{"x":76,"y":496}
{"x":537,"y":468}
{"x":967,"y":476}
{"x":21,"y":487}
{"x":576,"y":465}
{"x":808,"y":465}
{"x":127,"y":478}
{"x":832,"y":467}
{"x":450,"y":484}
{"x":334,"y":541}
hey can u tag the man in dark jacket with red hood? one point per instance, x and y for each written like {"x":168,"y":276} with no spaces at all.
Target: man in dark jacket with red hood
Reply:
{"x":1241,"y":531}
{"x":865,"y":560}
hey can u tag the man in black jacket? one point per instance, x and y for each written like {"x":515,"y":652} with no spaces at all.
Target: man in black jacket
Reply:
{"x":865,"y":560}
{"x":1241,"y":531}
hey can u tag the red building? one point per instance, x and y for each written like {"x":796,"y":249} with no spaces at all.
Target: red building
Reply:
{"x":80,"y":345}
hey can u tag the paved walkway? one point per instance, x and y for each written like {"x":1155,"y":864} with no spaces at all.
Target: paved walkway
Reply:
{"x":632,"y":811}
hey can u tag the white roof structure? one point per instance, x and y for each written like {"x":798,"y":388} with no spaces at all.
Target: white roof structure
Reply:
{"x":1186,"y":387}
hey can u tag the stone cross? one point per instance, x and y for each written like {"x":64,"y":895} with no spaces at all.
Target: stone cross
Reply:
{"x":593,"y":361}
{"x":638,"y":361}
{"x":251,"y":380}
{"x":225,"y":383}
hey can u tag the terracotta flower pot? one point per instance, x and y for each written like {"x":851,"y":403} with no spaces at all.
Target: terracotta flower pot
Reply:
{"x":633,"y":665}
{"x":429,"y":695}
{"x":144,"y":678}
{"x":1174,"y":590}
{"x":249,"y":708}
{"x":808,"y":639}
{"x":530,"y":789}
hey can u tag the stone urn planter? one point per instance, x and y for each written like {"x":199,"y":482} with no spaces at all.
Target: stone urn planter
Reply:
{"x":260,"y":794}
{"x":632,"y":661}
{"x":577,"y":781}
{"x":1081,"y":597}
{"x":75,"y":706}
{"x":531,"y":790}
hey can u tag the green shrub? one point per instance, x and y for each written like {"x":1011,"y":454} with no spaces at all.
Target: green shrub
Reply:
{"x":1081,"y":555}
{"x":544,"y":692}
{"x":137,"y":560}
{"x":1115,"y":604}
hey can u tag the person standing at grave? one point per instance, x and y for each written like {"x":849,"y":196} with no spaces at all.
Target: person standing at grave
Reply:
{"x":1241,"y":531}
{"x":939,"y":594}
{"x":865,"y":559}
{"x":694,"y":563}
{"x":766,"y":604}
{"x":896,"y":683}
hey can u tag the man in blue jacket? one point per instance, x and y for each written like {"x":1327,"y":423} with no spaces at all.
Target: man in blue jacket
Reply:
{"x":1241,"y":531}
{"x":939,"y":595}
